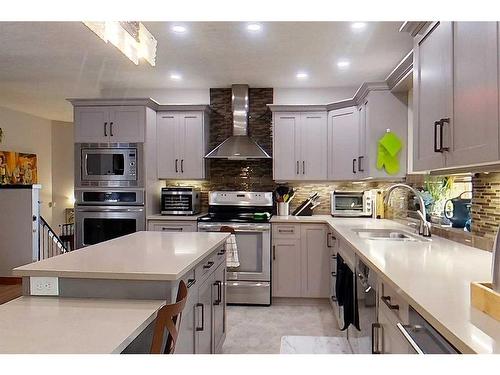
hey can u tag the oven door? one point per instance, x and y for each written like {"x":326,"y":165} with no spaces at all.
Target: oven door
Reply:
{"x":95,"y":224}
{"x":254,"y":250}
{"x":109,"y":164}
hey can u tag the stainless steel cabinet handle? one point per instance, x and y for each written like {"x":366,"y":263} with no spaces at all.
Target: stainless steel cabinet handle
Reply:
{"x":111,"y":129}
{"x":198,"y":329}
{"x":359,"y":164}
{"x":353,"y":165}
{"x":105,"y":131}
{"x":375,"y":338}
{"x":387,"y":301}
{"x":190,"y":283}
{"x":218,"y":284}
{"x":414,"y":345}
{"x":297,"y":167}
{"x":328,"y":238}
{"x":176,"y":168}
{"x":303,"y":167}
{"x":274,"y":252}
{"x":182,"y":165}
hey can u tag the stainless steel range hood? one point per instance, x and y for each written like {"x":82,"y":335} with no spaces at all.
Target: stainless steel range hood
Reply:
{"x":239,"y":146}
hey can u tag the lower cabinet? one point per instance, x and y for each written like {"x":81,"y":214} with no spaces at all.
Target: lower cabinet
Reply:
{"x":172,"y":226}
{"x":204,"y":318}
{"x":301,"y":265}
{"x":219,"y":308}
{"x":391,"y":340}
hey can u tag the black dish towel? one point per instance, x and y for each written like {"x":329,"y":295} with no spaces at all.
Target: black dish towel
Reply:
{"x":346,"y":291}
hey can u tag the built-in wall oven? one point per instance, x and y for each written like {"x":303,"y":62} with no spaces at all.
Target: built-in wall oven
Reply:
{"x":102,"y":215}
{"x":108,"y":165}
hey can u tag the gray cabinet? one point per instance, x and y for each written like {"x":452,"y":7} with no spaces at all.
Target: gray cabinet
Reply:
{"x":299,"y":146}
{"x":456,"y":96}
{"x":315,"y":261}
{"x":219,"y":308}
{"x":182,"y":144}
{"x":103,"y":124}
{"x":172,"y":226}
{"x":286,"y":268}
{"x":204,"y":317}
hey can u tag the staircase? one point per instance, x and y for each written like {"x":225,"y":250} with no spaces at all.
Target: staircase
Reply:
{"x":49,"y":243}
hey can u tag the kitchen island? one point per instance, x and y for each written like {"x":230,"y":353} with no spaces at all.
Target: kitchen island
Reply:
{"x":140,"y":266}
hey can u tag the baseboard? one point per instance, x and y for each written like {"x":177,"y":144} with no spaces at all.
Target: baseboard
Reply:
{"x":11,"y":280}
{"x":299,"y":301}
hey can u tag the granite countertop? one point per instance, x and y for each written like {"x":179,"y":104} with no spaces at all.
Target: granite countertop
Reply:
{"x":137,"y":256}
{"x":433,"y":276}
{"x":176,"y":217}
{"x":44,"y":325}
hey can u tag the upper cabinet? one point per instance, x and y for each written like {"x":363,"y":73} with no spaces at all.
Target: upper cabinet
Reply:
{"x":108,"y":124}
{"x":182,"y":139}
{"x":354,"y":132}
{"x":300,"y":146}
{"x":456,"y":96}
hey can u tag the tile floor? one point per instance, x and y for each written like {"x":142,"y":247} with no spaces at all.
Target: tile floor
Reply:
{"x":258,"y":330}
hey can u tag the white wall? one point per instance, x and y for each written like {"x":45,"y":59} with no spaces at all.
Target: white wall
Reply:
{"x":162,"y":96}
{"x":62,"y":171}
{"x":312,"y":95}
{"x":31,"y":134}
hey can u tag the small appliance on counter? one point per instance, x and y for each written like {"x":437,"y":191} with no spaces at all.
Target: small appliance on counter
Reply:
{"x":306,"y":208}
{"x":460,"y":212}
{"x":180,"y":200}
{"x":351,"y":203}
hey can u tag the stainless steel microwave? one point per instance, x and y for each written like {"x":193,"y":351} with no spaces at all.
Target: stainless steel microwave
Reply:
{"x":108,"y":165}
{"x":351,"y":203}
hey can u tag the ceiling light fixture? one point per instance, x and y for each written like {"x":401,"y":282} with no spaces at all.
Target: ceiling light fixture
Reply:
{"x":175,"y":76}
{"x":301,"y":75}
{"x":254,"y":27}
{"x":343,"y":64}
{"x":130,"y":37}
{"x":358,"y":25}
{"x":179,"y":29}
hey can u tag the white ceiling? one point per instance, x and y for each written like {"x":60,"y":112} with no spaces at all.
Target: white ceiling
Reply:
{"x":43,"y":63}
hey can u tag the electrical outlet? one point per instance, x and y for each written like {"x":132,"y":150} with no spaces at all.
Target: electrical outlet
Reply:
{"x":44,"y":286}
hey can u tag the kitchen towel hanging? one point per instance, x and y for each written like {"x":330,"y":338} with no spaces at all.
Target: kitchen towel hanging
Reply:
{"x":232,"y":260}
{"x":388,"y":150}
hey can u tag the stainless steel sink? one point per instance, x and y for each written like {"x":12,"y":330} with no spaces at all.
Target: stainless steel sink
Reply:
{"x":386,"y":234}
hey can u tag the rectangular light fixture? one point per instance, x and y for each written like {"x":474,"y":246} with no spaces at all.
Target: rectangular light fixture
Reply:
{"x":132,"y":38}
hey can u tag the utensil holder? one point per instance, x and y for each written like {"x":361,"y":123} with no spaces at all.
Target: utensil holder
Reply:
{"x":283,"y":208}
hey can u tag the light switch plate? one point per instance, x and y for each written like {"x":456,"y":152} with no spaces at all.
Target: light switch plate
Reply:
{"x":44,"y":286}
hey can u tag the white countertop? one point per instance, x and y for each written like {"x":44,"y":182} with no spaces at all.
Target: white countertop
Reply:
{"x":137,"y":256}
{"x":176,"y":217}
{"x":33,"y":325}
{"x":433,"y":276}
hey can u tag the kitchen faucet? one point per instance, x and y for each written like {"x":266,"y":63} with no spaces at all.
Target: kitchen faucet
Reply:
{"x":424,"y":227}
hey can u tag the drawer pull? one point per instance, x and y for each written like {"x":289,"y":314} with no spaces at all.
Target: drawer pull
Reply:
{"x":334,"y":274}
{"x":285,"y":230}
{"x":387,"y":301}
{"x":208,"y":265}
{"x":222,"y":252}
{"x":172,"y":229}
{"x":191,"y":282}
{"x":202,"y":328}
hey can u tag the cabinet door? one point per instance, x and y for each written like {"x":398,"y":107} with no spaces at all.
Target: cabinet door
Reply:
{"x":393,"y":342}
{"x":475,"y":94}
{"x":187,"y":333}
{"x":362,"y":160}
{"x":313,"y":144}
{"x":433,"y":94}
{"x":167,"y":145}
{"x":204,"y":318}
{"x":91,"y":124}
{"x":286,"y":268}
{"x":127,"y":124}
{"x":286,"y":146}
{"x":343,"y":143}
{"x":192,"y":150}
{"x":219,"y":307}
{"x":315,"y":273}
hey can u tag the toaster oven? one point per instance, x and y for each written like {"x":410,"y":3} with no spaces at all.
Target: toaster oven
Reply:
{"x":351,"y":203}
{"x":180,"y":201}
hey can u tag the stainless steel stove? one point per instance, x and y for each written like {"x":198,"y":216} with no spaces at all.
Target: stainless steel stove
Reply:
{"x":248,"y":214}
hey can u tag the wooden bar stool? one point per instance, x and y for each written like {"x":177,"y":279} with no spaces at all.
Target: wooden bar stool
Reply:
{"x":169,"y":317}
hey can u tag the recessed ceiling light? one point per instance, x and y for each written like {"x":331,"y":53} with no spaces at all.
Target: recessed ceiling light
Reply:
{"x":301,"y":75}
{"x":254,"y":27}
{"x":358,"y":25}
{"x":343,"y":64}
{"x":175,"y":76}
{"x":179,"y":29}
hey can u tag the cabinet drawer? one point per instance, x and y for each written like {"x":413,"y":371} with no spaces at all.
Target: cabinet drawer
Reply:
{"x":206,"y":267}
{"x":392,"y":304}
{"x":286,"y":231}
{"x":392,"y":342}
{"x":169,"y":226}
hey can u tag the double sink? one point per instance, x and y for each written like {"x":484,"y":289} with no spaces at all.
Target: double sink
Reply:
{"x":388,"y":234}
